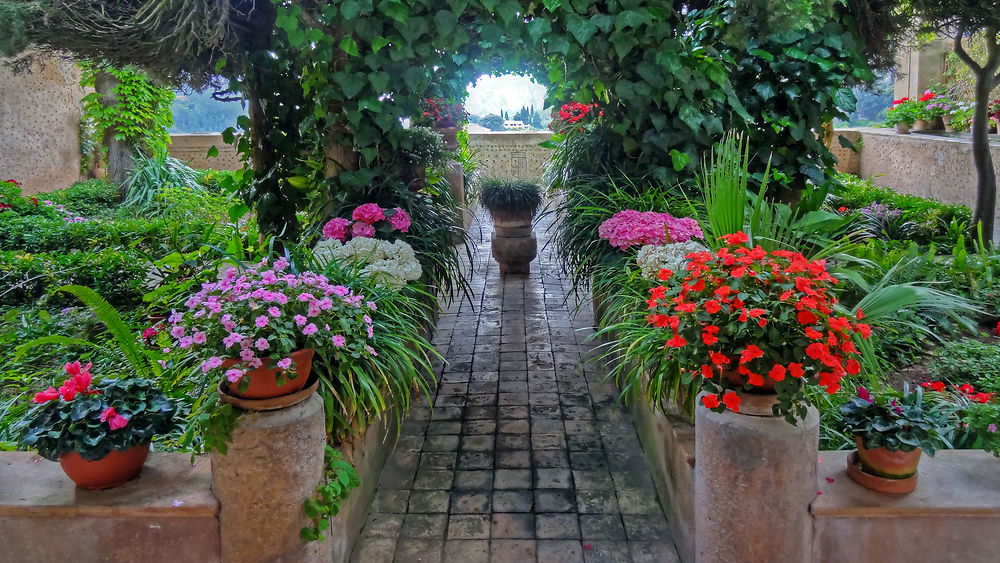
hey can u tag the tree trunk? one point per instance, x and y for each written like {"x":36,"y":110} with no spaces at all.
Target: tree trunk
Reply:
{"x":119,"y":161}
{"x":986,"y":181}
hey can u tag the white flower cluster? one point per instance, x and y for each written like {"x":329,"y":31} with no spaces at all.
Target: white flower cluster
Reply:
{"x":391,"y":263}
{"x":653,"y":258}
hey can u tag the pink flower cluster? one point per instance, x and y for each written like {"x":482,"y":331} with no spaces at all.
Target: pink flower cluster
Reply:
{"x":638,"y":228}
{"x":364,"y":219}
{"x":266,"y":314}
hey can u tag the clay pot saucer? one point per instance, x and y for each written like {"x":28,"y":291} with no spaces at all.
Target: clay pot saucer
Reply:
{"x":876,"y":483}
{"x":272,"y":403}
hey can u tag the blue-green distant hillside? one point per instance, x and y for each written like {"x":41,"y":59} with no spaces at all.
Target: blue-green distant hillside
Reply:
{"x":197,"y":112}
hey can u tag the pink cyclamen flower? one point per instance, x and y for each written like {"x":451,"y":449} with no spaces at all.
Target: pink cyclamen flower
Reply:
{"x":261,"y":321}
{"x":338,"y":340}
{"x":864,"y":394}
{"x":310,"y":328}
{"x":362,"y":230}
{"x":284,"y":363}
{"x":340,"y":290}
{"x":336,"y":228}
{"x":368,"y":213}
{"x":262,"y":344}
{"x":371,"y":331}
{"x":234,"y":375}
{"x":114,"y":420}
{"x":280,"y":264}
{"x":400,"y":221}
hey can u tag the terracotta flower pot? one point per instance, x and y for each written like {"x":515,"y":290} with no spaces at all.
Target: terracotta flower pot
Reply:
{"x":758,"y":401}
{"x":903,"y":128}
{"x":262,"y":380}
{"x":921,"y":125}
{"x":888,"y":464}
{"x":109,"y":471}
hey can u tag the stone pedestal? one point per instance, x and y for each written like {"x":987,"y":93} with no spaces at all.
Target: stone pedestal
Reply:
{"x":755,"y":477}
{"x":514,"y":254}
{"x":272,"y":466}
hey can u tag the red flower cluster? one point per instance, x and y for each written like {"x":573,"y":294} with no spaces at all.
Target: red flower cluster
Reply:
{"x":5,"y":206}
{"x":968,"y":390}
{"x":573,"y":112}
{"x":764,"y":318}
{"x":899,"y":101}
{"x":928,"y":95}
{"x":12,"y":181}
{"x":79,"y":382}
{"x":441,"y":113}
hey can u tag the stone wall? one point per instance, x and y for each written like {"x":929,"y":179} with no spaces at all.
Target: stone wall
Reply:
{"x":40,"y":124}
{"x":926,"y":165}
{"x":510,"y":154}
{"x":193,"y":148}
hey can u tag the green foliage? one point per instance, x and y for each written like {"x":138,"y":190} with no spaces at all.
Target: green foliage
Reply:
{"x":89,"y":198}
{"x":983,"y":420}
{"x":423,"y":146}
{"x":140,"y":115}
{"x":493,"y":122}
{"x":117,"y":275}
{"x":338,"y":480}
{"x":154,"y":173}
{"x":905,"y":112}
{"x":59,"y":426}
{"x":510,"y":196}
{"x":968,"y":360}
{"x":900,"y":421}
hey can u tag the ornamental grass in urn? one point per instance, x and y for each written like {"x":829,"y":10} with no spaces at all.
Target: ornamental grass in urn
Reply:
{"x":747,"y":320}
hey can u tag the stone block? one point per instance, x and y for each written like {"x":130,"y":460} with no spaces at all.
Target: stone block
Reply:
{"x":44,"y":517}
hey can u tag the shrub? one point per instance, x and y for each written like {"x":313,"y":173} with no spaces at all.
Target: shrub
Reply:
{"x":118,"y":276}
{"x":968,"y":360}
{"x":90,"y":198}
{"x":510,"y":196}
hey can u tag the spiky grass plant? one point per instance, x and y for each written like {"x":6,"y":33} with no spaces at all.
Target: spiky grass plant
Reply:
{"x":509,"y":196}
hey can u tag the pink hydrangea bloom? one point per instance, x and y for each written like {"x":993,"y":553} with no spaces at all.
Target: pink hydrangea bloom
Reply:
{"x":336,"y":228}
{"x":368,"y":213}
{"x":362,"y":230}
{"x":400,"y":220}
{"x":638,"y":228}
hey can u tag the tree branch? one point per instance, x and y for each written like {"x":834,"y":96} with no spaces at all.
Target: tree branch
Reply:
{"x":963,"y":55}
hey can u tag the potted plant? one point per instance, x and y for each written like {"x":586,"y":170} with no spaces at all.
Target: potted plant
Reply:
{"x":512,"y":205}
{"x":443,"y":113}
{"x":257,"y":329}
{"x":891,"y":430}
{"x":422,"y":150}
{"x":978,"y":411}
{"x":903,"y":113}
{"x":100,"y":434}
{"x":752,"y":328}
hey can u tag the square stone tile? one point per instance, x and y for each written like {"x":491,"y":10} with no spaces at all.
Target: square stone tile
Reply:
{"x":553,"y":478}
{"x":513,"y":525}
{"x":653,"y":552}
{"x":633,"y":480}
{"x":409,"y":550}
{"x":427,"y":526}
{"x":478,"y":427}
{"x":468,"y":526}
{"x":426,"y":502}
{"x":548,"y":441}
{"x":513,"y":501}
{"x":551,"y":458}
{"x":439,"y":427}
{"x":605,"y":551}
{"x":383,"y":525}
{"x":442,"y":443}
{"x":512,"y":479}
{"x":588,"y":461}
{"x":512,"y":551}
{"x":374,"y":550}
{"x":446,"y":413}
{"x":433,"y":479}
{"x":467,"y":551}
{"x":470,"y":502}
{"x":584,"y":441}
{"x":477,"y":443}
{"x":556,"y":526}
{"x":602,"y":526}
{"x":555,"y":500}
{"x":513,"y":442}
{"x":559,"y":551}
{"x":639,"y":502}
{"x":514,"y":412}
{"x":478,"y":479}
{"x":390,"y":500}
{"x":586,"y":480}
{"x":480,"y":413}
{"x":482,"y":400}
{"x":475,"y":460}
{"x":437,"y":460}
{"x":519,"y":426}
{"x":599,"y":501}
{"x":411,"y":443}
{"x":643,"y":527}
{"x":513,"y":459}
{"x":547,"y":426}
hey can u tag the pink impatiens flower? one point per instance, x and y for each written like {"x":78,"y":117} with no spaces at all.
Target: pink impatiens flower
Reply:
{"x":234,"y":375}
{"x":284,"y":363}
{"x":309,"y":329}
{"x":338,"y":340}
{"x":262,"y":344}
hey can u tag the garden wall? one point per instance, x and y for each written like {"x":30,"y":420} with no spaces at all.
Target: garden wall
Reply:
{"x":921,"y":164}
{"x":193,"y":148}
{"x":40,"y":124}
{"x":510,"y":154}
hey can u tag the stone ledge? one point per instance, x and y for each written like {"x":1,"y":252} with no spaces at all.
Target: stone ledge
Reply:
{"x":953,"y":483}
{"x":31,"y":486}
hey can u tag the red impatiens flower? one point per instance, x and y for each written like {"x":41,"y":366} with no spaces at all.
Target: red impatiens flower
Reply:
{"x":806,"y":317}
{"x":719,"y":359}
{"x":751,"y":352}
{"x":735,"y":239}
{"x":710,"y":400}
{"x":928,"y":95}
{"x":677,"y":341}
{"x":795,"y":370}
{"x":777,"y":373}
{"x":732,"y":401}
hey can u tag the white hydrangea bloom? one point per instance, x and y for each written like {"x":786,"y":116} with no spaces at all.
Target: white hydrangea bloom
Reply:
{"x":389,"y":263}
{"x":653,"y":258}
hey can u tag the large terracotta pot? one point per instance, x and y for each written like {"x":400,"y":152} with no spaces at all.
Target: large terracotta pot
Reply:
{"x":109,"y":471}
{"x":888,"y":464}
{"x":903,"y":128}
{"x":262,"y":380}
{"x":757,"y":401}
{"x":921,"y":125}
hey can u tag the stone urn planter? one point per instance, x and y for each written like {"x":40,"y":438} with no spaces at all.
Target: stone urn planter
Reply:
{"x":512,"y":205}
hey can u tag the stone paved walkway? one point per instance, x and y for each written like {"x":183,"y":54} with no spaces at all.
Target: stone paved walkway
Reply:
{"x":526,"y":455}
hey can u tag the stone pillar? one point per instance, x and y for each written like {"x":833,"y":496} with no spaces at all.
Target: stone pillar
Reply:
{"x":918,"y":68}
{"x":755,"y":477}
{"x":455,"y":176}
{"x":272,"y":466}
